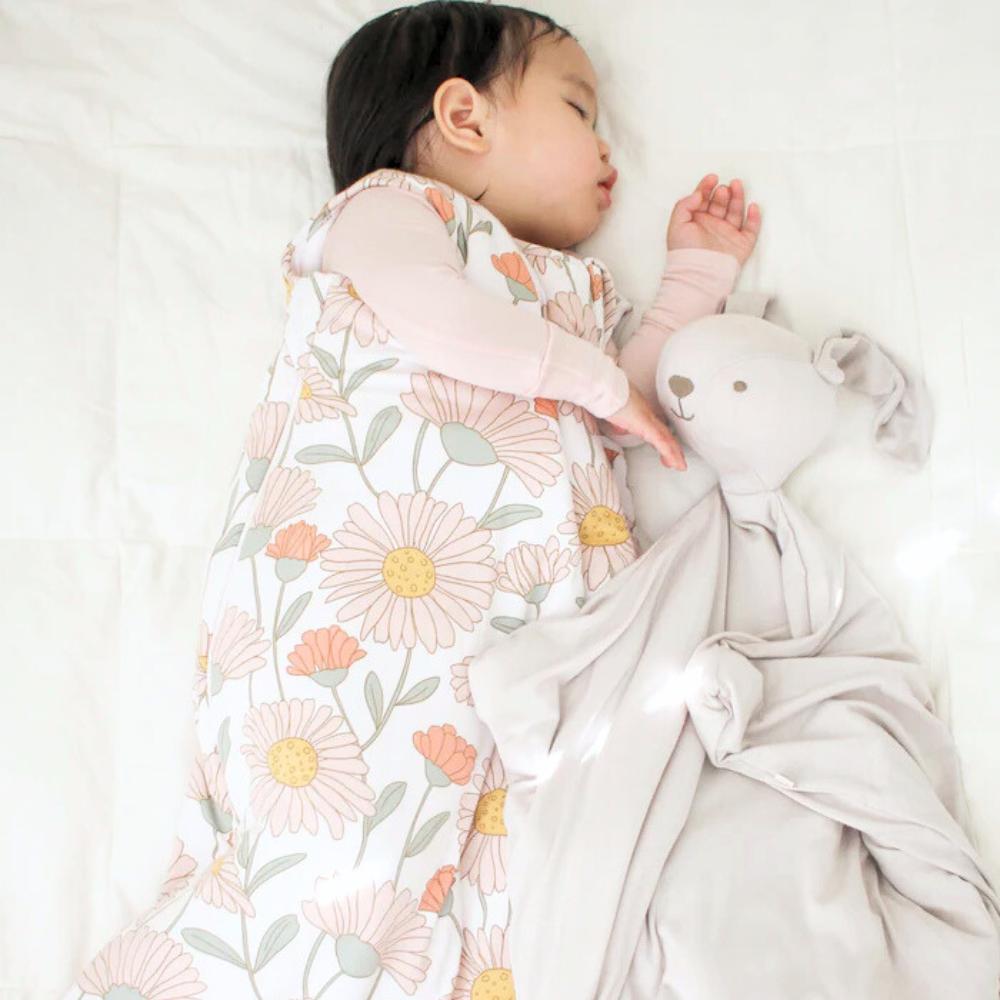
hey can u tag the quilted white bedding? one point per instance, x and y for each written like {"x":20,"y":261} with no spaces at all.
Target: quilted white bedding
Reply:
{"x":155,"y":159}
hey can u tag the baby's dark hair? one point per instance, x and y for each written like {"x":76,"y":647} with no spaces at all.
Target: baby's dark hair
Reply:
{"x":381,"y":83}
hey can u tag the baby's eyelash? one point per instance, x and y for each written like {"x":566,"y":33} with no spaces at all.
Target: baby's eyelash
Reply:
{"x":583,"y":113}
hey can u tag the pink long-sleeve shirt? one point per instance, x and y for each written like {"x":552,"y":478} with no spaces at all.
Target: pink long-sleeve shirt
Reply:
{"x":405,"y":266}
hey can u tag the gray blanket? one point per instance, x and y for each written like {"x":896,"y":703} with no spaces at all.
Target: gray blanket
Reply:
{"x":727,"y":780}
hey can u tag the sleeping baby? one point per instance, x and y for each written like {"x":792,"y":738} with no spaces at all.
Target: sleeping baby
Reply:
{"x":435,"y":460}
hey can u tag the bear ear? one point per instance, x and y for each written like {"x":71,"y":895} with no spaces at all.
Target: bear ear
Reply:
{"x":903,"y":418}
{"x":826,"y":361}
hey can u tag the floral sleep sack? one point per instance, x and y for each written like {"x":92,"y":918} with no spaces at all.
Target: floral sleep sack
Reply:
{"x":343,"y":833}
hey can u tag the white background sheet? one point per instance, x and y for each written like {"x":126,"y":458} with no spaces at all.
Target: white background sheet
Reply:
{"x":155,"y":157}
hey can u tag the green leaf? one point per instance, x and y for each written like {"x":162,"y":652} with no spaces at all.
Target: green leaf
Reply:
{"x":206,"y":941}
{"x":420,"y":691}
{"x":215,"y":677}
{"x":363,"y":373}
{"x":272,"y":868}
{"x":293,"y":613}
{"x":379,"y":431}
{"x":318,"y":453}
{"x":321,"y":216}
{"x":215,"y":815}
{"x":386,"y":805}
{"x":326,"y":361}
{"x":223,"y":740}
{"x":463,"y":244}
{"x":425,"y":834}
{"x":276,"y":937}
{"x":512,"y":513}
{"x":243,"y":850}
{"x":373,"y":696}
{"x":505,"y":623}
{"x":521,"y":293}
{"x":232,"y":537}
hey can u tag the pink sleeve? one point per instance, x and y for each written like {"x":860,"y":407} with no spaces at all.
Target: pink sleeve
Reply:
{"x":395,"y":249}
{"x":695,"y":283}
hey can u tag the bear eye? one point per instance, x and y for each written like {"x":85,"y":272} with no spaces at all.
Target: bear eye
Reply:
{"x":740,"y":386}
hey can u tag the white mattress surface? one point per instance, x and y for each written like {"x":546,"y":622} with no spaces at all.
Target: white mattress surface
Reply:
{"x":157,"y":156}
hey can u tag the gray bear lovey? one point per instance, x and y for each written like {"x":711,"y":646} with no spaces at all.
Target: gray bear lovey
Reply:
{"x":755,"y":400}
{"x":748,"y":636}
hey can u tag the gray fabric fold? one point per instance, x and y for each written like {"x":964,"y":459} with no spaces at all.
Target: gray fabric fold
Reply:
{"x":605,"y":720}
{"x":727,"y":776}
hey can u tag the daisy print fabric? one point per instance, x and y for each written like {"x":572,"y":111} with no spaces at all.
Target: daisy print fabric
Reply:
{"x":343,"y":834}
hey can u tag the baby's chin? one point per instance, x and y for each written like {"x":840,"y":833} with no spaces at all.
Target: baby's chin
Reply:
{"x":578,"y":223}
{"x":589,"y":224}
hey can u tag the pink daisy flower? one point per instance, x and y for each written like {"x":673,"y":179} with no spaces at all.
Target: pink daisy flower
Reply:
{"x":484,"y":969}
{"x":483,"y":836}
{"x":343,"y":307}
{"x":598,"y":526}
{"x":318,"y":399}
{"x":221,"y":887}
{"x":374,"y":929}
{"x":207,"y":786}
{"x":531,"y":569}
{"x":182,"y":867}
{"x":482,"y":427}
{"x":235,"y":649}
{"x":460,"y":680}
{"x":143,"y":963}
{"x":414,"y":575}
{"x":305,"y":765}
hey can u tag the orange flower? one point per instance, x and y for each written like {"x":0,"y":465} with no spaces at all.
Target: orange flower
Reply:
{"x":515,"y":269}
{"x":447,"y":751}
{"x":547,"y":407}
{"x":438,"y":887}
{"x":286,"y":272}
{"x":596,"y":283}
{"x":324,"y":649}
{"x":442,"y":205}
{"x":612,"y":454}
{"x":298,"y":541}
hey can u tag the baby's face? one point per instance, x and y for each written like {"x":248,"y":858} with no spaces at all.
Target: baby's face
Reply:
{"x":547,"y":158}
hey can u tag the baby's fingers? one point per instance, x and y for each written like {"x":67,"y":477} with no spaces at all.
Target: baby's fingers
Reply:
{"x":734,"y":216}
{"x":752,"y":224}
{"x":676,"y":459}
{"x":666,"y":444}
{"x":720,"y":201}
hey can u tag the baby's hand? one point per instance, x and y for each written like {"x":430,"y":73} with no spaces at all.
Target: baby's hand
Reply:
{"x":638,"y":417}
{"x":714,"y":221}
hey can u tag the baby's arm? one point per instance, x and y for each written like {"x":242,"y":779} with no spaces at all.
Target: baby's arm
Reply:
{"x":395,"y":249}
{"x":695,"y":283}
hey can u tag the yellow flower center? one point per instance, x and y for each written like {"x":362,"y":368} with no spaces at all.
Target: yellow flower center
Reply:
{"x":352,"y":291}
{"x":489,"y":813}
{"x":217,"y":865}
{"x":603,"y":526}
{"x":493,"y":984}
{"x":203,"y":664}
{"x":408,"y":572}
{"x":306,"y":391}
{"x":293,"y":761}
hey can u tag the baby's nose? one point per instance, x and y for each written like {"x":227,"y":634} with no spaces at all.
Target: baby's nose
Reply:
{"x":680,"y":386}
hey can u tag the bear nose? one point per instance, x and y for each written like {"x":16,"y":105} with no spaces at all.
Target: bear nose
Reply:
{"x":680,"y":386}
